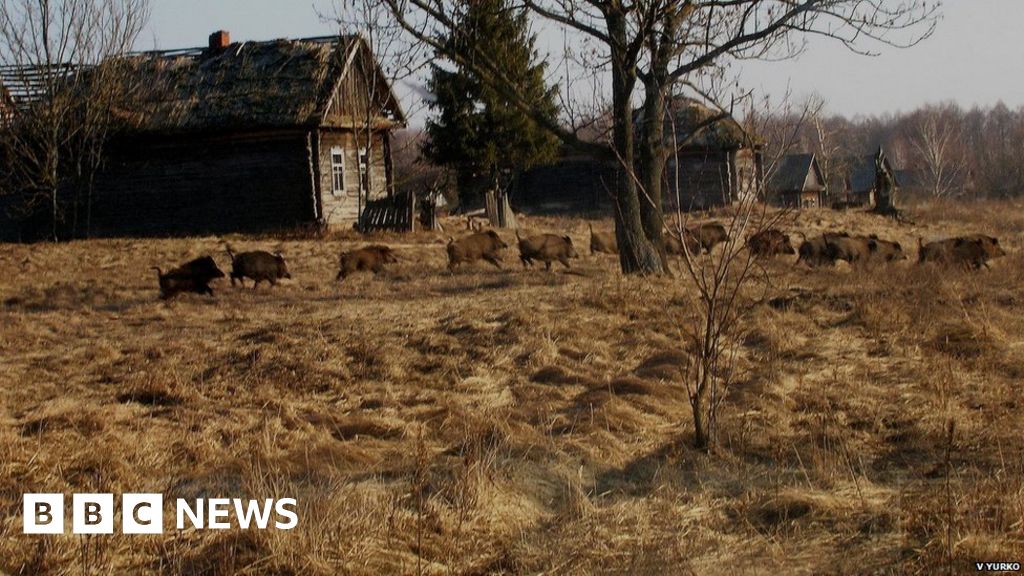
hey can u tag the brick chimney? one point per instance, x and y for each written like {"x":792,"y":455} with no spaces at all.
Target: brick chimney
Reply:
{"x":219,"y":40}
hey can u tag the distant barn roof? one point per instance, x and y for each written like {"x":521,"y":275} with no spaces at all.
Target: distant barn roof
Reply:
{"x":274,"y":84}
{"x":791,"y":174}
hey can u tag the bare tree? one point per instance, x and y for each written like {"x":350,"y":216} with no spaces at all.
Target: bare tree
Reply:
{"x":936,"y":140}
{"x":829,"y":149}
{"x":719,"y":280}
{"x":657,"y":44}
{"x":55,"y":58}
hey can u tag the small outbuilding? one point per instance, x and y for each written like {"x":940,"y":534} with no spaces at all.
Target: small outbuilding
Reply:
{"x":797,"y":182}
{"x":867,"y":181}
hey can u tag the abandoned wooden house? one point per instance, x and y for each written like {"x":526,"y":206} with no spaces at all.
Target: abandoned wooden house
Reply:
{"x":866,"y":181}
{"x":712,"y":162}
{"x":248,"y":136}
{"x":797,"y":182}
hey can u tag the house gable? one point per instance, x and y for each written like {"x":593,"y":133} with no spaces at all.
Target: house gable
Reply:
{"x":361,"y":96}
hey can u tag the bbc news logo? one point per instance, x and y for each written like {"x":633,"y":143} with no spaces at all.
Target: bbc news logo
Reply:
{"x":144,"y":513}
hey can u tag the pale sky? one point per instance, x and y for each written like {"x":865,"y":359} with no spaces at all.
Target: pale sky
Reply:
{"x":975,"y":57}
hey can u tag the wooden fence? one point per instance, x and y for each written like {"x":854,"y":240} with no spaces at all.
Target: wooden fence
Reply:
{"x":396,"y":213}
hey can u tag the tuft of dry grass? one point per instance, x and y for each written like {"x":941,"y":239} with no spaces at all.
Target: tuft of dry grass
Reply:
{"x":511,"y":421}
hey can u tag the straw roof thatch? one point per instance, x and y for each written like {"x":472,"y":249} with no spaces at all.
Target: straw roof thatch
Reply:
{"x":275,"y":84}
{"x":698,"y":126}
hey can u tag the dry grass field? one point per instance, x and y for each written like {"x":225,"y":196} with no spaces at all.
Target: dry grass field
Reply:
{"x":508,"y":422}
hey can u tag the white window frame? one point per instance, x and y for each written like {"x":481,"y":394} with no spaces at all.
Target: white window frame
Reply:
{"x":337,"y":171}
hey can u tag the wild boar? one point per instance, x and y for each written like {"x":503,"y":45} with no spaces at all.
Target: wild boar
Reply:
{"x":768,"y":243}
{"x":885,"y":250}
{"x":815,"y":252}
{"x":604,"y":242}
{"x":482,"y":245}
{"x":192,"y":276}
{"x":546,"y":248}
{"x":852,"y":249}
{"x":372,"y":258}
{"x":709,"y":235}
{"x":972,"y":251}
{"x":675,"y":246}
{"x":258,"y":265}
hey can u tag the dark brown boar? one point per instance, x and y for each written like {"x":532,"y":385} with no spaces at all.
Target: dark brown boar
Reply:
{"x":972,"y":251}
{"x":482,"y":245}
{"x":852,"y":249}
{"x":259,"y":265}
{"x":768,"y":243}
{"x":709,"y":235}
{"x":547,"y":248}
{"x":192,"y":276}
{"x":604,"y":242}
{"x":371,"y":258}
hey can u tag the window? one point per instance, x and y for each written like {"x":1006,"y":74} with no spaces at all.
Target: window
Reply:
{"x":337,"y":171}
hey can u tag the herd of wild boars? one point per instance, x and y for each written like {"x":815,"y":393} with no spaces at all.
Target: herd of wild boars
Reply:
{"x":971,"y":251}
{"x":831,"y":247}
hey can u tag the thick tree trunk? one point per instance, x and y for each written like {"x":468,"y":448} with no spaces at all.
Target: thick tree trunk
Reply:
{"x":653,"y":150}
{"x":636,"y":253}
{"x":652,"y":168}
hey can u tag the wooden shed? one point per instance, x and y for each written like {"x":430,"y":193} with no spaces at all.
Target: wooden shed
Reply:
{"x":797,"y":182}
{"x":248,"y":136}
{"x":867,"y":181}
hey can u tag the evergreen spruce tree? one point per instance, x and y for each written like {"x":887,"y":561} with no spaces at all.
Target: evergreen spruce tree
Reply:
{"x":475,"y":131}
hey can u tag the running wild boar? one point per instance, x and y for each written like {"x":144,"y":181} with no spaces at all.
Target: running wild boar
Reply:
{"x":768,"y":243}
{"x":260,"y":266}
{"x":674,"y":246}
{"x":482,"y":245}
{"x":709,"y":235}
{"x":972,"y":251}
{"x":371,"y":258}
{"x":815,"y":252}
{"x":547,"y":248}
{"x":885,"y":250}
{"x":852,"y":249}
{"x":603,"y":242}
{"x":192,"y":276}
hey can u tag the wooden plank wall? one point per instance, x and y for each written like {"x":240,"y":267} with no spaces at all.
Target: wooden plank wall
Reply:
{"x":204,"y":185}
{"x":343,"y":209}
